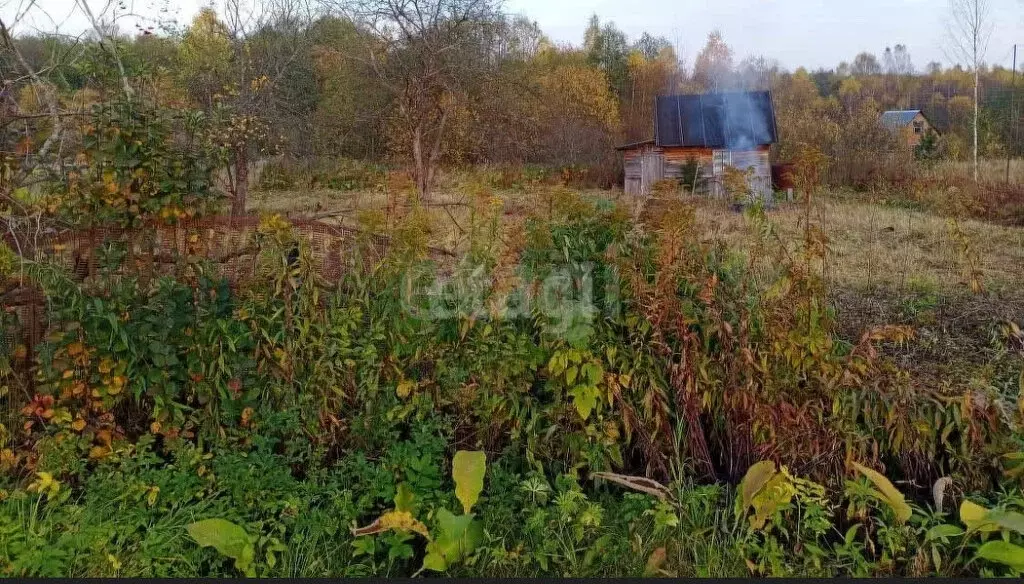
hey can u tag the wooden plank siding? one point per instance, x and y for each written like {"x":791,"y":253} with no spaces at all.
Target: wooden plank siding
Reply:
{"x":641,"y":167}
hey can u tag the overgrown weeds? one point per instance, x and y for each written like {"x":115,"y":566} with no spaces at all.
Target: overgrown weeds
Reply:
{"x":292,"y":408}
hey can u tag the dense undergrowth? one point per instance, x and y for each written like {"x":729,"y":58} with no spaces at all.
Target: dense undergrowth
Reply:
{"x":593,"y":353}
{"x":341,"y":174}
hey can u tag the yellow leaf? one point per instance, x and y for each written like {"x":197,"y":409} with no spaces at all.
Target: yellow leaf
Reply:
{"x":755,"y":479}
{"x":774,"y":495}
{"x":468,"y":471}
{"x":405,"y":388}
{"x":152,"y":494}
{"x":887,"y":493}
{"x":97,"y":452}
{"x":106,"y":366}
{"x":114,"y":562}
{"x":393,"y":520}
{"x":975,"y":517}
{"x":8,"y":459}
{"x":45,"y":485}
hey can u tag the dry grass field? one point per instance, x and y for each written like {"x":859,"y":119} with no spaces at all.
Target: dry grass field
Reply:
{"x":988,"y":170}
{"x":871,"y":246}
{"x":899,"y":266}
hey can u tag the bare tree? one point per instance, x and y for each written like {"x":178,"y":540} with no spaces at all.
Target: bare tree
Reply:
{"x":970,"y":27}
{"x":426,"y":53}
{"x":865,"y":65}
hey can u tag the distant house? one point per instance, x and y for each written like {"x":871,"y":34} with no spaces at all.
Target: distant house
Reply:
{"x":704,"y":135}
{"x":911,"y":125}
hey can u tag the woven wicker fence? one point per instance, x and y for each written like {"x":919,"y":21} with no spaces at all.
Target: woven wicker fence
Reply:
{"x":227,"y":245}
{"x":227,"y":242}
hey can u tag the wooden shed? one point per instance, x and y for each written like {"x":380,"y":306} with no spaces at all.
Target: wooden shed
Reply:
{"x":705,"y":134}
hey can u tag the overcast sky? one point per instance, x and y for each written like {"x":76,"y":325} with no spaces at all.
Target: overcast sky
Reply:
{"x":811,"y":33}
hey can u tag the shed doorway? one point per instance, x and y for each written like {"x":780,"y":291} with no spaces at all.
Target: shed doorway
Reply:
{"x":652,"y":169}
{"x":720,"y":160}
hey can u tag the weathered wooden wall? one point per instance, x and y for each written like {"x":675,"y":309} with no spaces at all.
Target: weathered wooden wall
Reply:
{"x":673,"y":163}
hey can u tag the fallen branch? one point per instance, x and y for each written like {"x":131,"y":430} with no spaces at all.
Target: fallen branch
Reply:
{"x":641,"y":484}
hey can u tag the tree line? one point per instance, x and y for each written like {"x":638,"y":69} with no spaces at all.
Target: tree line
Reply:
{"x":434,"y":83}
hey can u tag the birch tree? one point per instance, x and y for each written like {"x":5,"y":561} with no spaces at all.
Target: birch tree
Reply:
{"x":970,"y":27}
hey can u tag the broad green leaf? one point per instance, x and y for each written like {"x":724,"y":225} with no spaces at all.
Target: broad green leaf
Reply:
{"x":227,"y":538}
{"x":1004,"y":553}
{"x":584,"y":398}
{"x":593,"y":373}
{"x":887,"y":493}
{"x":757,"y":475}
{"x":468,"y":471}
{"x":851,"y":534}
{"x":944,"y":531}
{"x":557,"y":364}
{"x":1008,"y":520}
{"x":434,"y":560}
{"x":975,"y":517}
{"x":244,"y":562}
{"x":224,"y":536}
{"x":775,"y":494}
{"x":457,"y":537}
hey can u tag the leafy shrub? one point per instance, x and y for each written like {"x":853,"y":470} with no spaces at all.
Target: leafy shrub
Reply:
{"x":139,"y":162}
{"x":291,"y":408}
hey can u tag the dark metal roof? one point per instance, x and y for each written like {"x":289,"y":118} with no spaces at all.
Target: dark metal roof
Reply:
{"x":735,"y":121}
{"x":898,"y":118}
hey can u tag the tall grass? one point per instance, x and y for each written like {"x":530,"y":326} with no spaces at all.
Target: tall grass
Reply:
{"x":988,"y":170}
